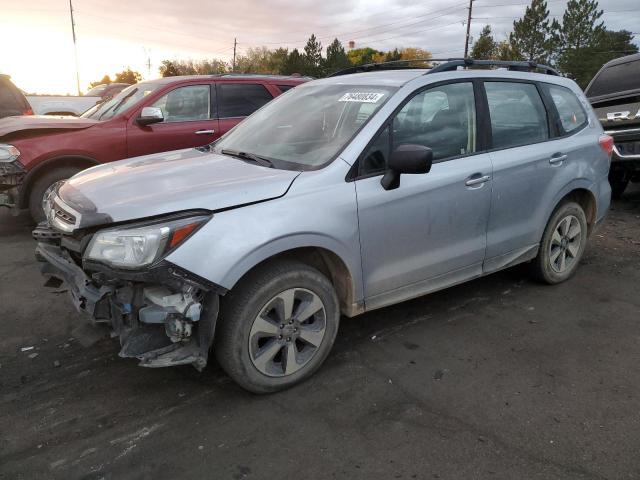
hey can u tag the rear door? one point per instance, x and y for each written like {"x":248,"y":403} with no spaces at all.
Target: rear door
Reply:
{"x":237,"y":100}
{"x":189,"y":121}
{"x":532,"y":161}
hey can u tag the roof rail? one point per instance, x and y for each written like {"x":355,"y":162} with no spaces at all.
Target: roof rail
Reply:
{"x":520,"y":66}
{"x":390,"y":65}
{"x":446,"y":65}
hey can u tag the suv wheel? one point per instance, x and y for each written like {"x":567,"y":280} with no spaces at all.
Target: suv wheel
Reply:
{"x":277,"y":326}
{"x":43,"y":186}
{"x":563,"y":244}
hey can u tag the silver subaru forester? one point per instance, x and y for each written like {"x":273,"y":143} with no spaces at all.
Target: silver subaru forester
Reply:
{"x":341,"y":196}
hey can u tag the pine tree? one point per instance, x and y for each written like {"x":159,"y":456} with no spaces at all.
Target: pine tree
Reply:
{"x":485,"y":48}
{"x":580,"y":32}
{"x":533,"y":34}
{"x":294,"y":63}
{"x":313,"y":56}
{"x":336,"y":57}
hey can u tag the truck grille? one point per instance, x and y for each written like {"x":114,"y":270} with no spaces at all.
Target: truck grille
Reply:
{"x":628,"y":148}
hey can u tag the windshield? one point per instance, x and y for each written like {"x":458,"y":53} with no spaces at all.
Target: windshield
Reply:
{"x":124,"y":100}
{"x":307,"y":126}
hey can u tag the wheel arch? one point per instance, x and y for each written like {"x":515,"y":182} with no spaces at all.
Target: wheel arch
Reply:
{"x":34,"y":174}
{"x":581,"y":193}
{"x":324,"y":259}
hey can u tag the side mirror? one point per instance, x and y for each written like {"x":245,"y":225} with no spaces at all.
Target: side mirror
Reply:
{"x":406,"y":158}
{"x":150,"y":115}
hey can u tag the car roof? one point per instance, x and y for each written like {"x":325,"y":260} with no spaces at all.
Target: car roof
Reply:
{"x":398,"y":78}
{"x":228,"y":76}
{"x":617,"y":61}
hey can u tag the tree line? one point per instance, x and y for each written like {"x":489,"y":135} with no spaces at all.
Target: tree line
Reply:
{"x":577,"y":46}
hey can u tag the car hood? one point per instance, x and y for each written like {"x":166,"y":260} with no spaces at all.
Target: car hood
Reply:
{"x":171,"y":182}
{"x":10,"y":125}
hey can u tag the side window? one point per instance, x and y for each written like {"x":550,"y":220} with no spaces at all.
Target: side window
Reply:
{"x":284,"y":88}
{"x":442,"y":118}
{"x":571,"y":113}
{"x":241,"y":99}
{"x":518,"y":116}
{"x":185,"y":103}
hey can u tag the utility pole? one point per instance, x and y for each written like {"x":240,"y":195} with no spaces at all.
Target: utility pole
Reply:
{"x":466,"y":38}
{"x":147,"y":53}
{"x":235,"y":44}
{"x":75,"y":49}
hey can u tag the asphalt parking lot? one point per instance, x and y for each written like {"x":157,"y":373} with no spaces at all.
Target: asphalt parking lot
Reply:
{"x":497,"y":378}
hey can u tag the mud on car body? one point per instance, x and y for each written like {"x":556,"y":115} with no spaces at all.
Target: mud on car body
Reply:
{"x":341,"y":196}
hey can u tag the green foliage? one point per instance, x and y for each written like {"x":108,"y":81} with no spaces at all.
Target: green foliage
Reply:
{"x":336,"y":58}
{"x":127,"y":76}
{"x":533,"y":34}
{"x":105,"y":80}
{"x":173,"y":68}
{"x":255,"y":60}
{"x":361,"y":56}
{"x":485,"y":48}
{"x":313,"y":56}
{"x":577,"y":37}
{"x":294,"y":64}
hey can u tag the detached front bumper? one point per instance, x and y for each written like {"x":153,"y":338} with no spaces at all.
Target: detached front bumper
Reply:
{"x":162,"y":317}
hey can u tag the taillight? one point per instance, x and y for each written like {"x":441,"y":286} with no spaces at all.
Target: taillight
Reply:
{"x":606,"y":144}
{"x":28,"y":111}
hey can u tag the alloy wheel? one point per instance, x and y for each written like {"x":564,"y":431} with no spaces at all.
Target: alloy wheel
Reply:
{"x":287,"y":332}
{"x":565,"y":244}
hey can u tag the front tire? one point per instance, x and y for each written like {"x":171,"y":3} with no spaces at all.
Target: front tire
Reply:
{"x":562,"y":246}
{"x":277,"y":326}
{"x":43,"y":185}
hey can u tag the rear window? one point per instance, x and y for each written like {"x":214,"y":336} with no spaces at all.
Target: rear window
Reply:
{"x":617,"y":78}
{"x":572,"y":115}
{"x":241,"y":99}
{"x":518,"y":116}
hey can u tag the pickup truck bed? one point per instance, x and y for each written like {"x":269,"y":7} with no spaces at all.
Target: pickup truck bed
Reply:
{"x":61,"y":105}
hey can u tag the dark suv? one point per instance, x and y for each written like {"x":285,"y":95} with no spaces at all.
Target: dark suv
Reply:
{"x":12,"y":100}
{"x":614,"y":93}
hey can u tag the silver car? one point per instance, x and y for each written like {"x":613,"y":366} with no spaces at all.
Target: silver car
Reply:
{"x":343,"y":195}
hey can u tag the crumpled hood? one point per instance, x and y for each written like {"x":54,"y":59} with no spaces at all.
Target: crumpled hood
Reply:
{"x":42,"y":122}
{"x":171,"y":182}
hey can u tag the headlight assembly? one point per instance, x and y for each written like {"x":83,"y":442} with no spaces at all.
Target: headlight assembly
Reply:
{"x":8,"y":153}
{"x":136,"y":247}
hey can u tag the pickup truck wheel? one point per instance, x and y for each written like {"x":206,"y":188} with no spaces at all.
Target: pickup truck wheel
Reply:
{"x":43,"y":185}
{"x":563,"y":244}
{"x":277,"y":326}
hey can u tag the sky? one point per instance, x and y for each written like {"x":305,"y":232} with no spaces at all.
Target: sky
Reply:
{"x":36,"y":46}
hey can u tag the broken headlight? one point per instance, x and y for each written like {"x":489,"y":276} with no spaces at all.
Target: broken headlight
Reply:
{"x":139,"y":246}
{"x":8,"y":153}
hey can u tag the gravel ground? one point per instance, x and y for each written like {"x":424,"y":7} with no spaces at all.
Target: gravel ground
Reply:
{"x":500,"y":378}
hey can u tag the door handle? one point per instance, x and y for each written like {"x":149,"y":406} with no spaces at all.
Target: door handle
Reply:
{"x":557,"y":159}
{"x":205,"y":132}
{"x":477,"y":180}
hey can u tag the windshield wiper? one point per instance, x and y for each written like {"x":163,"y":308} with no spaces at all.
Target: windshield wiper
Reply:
{"x":265,"y":162}
{"x":115,"y":108}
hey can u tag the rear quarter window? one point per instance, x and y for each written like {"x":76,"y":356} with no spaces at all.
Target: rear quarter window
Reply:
{"x":241,"y":99}
{"x":570,"y":110}
{"x":616,"y":78}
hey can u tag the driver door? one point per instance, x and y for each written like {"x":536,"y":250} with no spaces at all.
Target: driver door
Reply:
{"x":430,"y":232}
{"x":189,"y":121}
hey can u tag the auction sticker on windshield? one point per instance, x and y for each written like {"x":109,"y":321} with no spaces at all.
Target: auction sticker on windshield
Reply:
{"x":362,"y":97}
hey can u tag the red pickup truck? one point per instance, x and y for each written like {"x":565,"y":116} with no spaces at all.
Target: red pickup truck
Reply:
{"x":149,"y":117}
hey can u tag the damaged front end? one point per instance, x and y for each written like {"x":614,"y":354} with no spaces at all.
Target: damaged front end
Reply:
{"x":162,"y":314}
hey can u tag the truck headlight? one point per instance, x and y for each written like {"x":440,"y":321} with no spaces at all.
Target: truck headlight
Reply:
{"x":8,"y":153}
{"x":140,"y":246}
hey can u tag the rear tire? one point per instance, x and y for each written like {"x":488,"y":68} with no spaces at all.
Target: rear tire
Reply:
{"x":264,"y":348}
{"x":562,"y":245}
{"x":42,"y":185}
